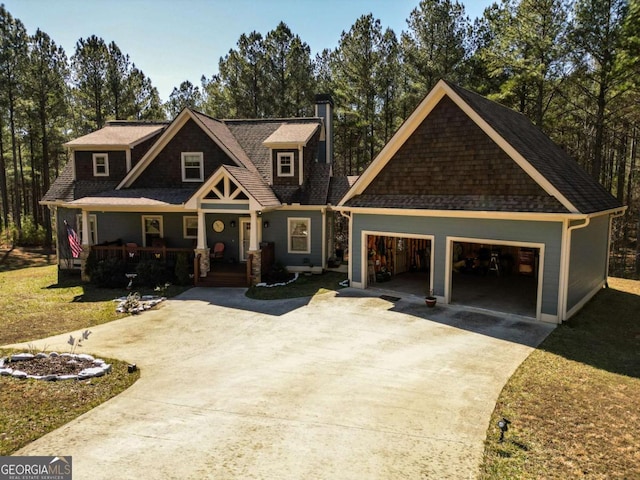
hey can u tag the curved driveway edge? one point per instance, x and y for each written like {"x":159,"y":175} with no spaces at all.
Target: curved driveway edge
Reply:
{"x":342,"y":385}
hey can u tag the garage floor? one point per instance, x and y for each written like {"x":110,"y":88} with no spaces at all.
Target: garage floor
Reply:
{"x":514,"y":293}
{"x":508,"y":293}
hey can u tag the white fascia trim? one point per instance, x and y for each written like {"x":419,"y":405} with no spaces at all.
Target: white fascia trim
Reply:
{"x":96,"y":207}
{"x":164,"y":139}
{"x":448,"y":277}
{"x":393,"y":145}
{"x":222,"y":173}
{"x":509,"y":150}
{"x":101,"y":148}
{"x":156,"y":148}
{"x":297,"y":207}
{"x":530,"y":216}
{"x":415,"y":119}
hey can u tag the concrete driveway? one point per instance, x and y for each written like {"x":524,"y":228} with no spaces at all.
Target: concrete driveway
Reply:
{"x":340,"y":386}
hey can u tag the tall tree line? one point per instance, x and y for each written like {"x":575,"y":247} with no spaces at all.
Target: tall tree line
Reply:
{"x":47,"y":98}
{"x":571,"y":66}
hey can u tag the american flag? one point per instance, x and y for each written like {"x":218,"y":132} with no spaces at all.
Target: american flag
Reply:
{"x":74,"y":241}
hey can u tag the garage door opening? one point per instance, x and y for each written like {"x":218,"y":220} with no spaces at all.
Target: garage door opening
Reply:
{"x":400,"y":264}
{"x":502,"y":278}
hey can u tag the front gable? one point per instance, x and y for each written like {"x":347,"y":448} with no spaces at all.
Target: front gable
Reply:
{"x":166,"y":168}
{"x":448,"y":154}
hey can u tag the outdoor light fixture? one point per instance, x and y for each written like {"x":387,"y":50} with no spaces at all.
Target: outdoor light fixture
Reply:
{"x":232,"y":223}
{"x":265,"y":224}
{"x":503,"y":425}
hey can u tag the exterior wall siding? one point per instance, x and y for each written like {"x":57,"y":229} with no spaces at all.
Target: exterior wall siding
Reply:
{"x":165,"y":169}
{"x":117,"y":165}
{"x":230,"y":236}
{"x":277,"y":233}
{"x":547,"y":233}
{"x":448,"y":154}
{"x":139,"y":150}
{"x":588,"y":259}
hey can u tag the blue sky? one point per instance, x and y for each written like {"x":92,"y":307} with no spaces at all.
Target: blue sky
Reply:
{"x":176,"y":40}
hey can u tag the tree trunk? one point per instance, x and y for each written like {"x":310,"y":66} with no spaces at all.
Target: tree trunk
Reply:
{"x":4,"y":192}
{"x":46,"y":214}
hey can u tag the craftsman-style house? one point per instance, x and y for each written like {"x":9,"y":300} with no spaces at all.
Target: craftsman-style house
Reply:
{"x":228,"y":192}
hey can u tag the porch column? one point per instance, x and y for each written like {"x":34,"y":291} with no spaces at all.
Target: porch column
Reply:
{"x":201,"y":248}
{"x":254,"y":250}
{"x":86,"y":246}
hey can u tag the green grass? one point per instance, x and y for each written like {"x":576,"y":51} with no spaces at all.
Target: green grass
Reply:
{"x":32,"y":408}
{"x":574,"y":403}
{"x":305,"y":286}
{"x":34,"y":304}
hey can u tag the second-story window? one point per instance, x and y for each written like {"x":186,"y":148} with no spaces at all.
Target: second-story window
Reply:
{"x":285,"y":164}
{"x":100,"y":165}
{"x":192,"y":167}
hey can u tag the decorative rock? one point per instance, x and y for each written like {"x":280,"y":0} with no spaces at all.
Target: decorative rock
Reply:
{"x":90,"y":372}
{"x":67,"y":377}
{"x":49,"y":378}
{"x":21,"y":356}
{"x":19,"y":374}
{"x":106,"y":367}
{"x":6,"y":371}
{"x":85,"y":356}
{"x":41,"y":355}
{"x":54,"y":354}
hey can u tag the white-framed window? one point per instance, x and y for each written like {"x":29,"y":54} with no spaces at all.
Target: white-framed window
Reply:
{"x":93,"y":229}
{"x":190,"y":227}
{"x":152,"y":228}
{"x":192,"y":167}
{"x":100,"y":165}
{"x":285,"y":164}
{"x":299,"y":233}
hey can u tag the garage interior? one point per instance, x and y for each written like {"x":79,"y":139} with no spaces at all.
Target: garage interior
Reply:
{"x":501,"y":278}
{"x":496,"y":277}
{"x":399,"y":264}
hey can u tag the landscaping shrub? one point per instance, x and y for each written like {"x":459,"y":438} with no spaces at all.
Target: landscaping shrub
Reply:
{"x":152,"y":273}
{"x":109,"y":272}
{"x":277,"y":274}
{"x":182,"y":269}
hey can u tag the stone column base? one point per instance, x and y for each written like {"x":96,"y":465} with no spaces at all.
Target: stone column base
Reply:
{"x":84,"y":276}
{"x":256,"y":267}
{"x":204,"y":260}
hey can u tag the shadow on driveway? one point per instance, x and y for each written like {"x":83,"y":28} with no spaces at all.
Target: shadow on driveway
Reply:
{"x":510,"y":328}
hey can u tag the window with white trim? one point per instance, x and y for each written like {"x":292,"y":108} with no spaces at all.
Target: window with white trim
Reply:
{"x":93,"y":231}
{"x":285,"y":164}
{"x":192,"y":167}
{"x":152,"y":228}
{"x":190,"y":227}
{"x":100,"y":165}
{"x":299,"y":233}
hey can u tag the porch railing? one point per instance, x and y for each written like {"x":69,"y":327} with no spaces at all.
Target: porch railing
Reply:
{"x":136,"y":254}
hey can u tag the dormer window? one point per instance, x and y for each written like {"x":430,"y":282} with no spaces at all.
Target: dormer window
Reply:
{"x":285,"y":164}
{"x":100,"y":165}
{"x":192,"y":167}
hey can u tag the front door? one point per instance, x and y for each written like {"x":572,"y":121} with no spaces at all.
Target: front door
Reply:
{"x":245,"y":238}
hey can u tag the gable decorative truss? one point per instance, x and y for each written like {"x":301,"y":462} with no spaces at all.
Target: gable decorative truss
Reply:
{"x":415,"y":120}
{"x":236,"y":187}
{"x":165,"y":138}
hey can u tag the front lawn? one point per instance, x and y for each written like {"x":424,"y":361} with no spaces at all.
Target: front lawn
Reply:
{"x":34,"y":305}
{"x":574,"y":403}
{"x":304,"y":286}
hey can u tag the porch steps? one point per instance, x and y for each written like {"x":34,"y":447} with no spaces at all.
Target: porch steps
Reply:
{"x":224,"y":279}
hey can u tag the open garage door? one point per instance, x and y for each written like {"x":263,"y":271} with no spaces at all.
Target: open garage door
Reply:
{"x":399,"y":263}
{"x":497,"y":277}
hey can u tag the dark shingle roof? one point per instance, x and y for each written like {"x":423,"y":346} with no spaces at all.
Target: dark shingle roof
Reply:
{"x":62,"y":187}
{"x":478,"y":203}
{"x":255,"y":185}
{"x":553,"y":163}
{"x":339,"y":186}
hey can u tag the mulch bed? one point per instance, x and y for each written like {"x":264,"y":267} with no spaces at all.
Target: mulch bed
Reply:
{"x":61,"y":365}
